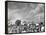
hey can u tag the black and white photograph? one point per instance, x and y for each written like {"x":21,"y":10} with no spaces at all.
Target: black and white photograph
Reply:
{"x":24,"y":17}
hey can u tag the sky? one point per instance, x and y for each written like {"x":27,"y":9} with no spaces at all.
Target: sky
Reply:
{"x":25,"y":11}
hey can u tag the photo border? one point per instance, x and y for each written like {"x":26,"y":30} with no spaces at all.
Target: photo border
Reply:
{"x":6,"y":15}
